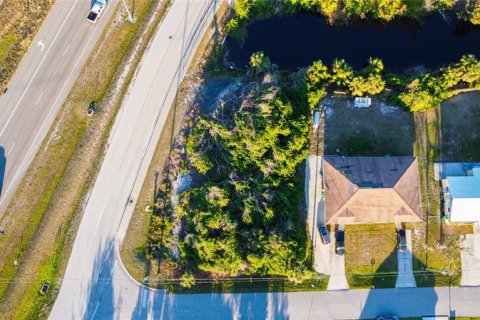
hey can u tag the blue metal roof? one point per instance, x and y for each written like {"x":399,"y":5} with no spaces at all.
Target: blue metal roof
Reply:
{"x":464,"y":187}
{"x":476,"y":172}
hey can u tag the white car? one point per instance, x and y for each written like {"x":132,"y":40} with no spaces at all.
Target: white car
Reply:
{"x":96,"y":10}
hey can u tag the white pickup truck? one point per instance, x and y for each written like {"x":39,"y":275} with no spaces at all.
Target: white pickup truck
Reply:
{"x":96,"y":10}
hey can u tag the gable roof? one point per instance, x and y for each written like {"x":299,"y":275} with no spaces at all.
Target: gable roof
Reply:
{"x":371,"y":189}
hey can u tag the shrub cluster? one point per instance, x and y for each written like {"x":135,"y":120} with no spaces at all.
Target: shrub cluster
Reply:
{"x":367,"y":81}
{"x":244,"y":220}
{"x":344,"y":10}
{"x":429,"y":90}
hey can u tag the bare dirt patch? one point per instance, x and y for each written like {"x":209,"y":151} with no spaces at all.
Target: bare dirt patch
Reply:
{"x":379,"y":130}
{"x":460,"y":124}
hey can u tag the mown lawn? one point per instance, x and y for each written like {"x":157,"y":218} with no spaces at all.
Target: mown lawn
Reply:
{"x":367,"y":243}
{"x":436,"y":259}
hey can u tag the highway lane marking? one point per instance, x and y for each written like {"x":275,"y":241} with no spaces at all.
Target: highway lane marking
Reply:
{"x":144,"y":298}
{"x":101,"y":295}
{"x":49,"y":113}
{"x":10,"y":151}
{"x":63,"y":55}
{"x":39,"y":97}
{"x":36,"y":70}
{"x":95,"y":310}
{"x":41,"y":45}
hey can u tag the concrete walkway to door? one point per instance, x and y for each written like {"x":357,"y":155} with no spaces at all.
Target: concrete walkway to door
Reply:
{"x":405,"y":278}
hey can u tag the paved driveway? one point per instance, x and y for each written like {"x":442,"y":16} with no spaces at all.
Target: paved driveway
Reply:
{"x":338,"y":280}
{"x":405,"y":278}
{"x":470,"y":255}
{"x":325,"y":259}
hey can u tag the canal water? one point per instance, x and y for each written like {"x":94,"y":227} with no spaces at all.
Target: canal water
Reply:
{"x":296,"y":41}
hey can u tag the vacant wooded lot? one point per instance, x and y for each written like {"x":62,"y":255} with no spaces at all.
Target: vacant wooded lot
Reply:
{"x":460,"y":123}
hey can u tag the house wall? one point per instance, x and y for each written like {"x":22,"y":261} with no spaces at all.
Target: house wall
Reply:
{"x":383,"y":219}
{"x":465,"y":210}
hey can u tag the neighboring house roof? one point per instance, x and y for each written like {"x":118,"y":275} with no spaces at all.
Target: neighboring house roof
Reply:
{"x":371,"y":189}
{"x":466,"y":186}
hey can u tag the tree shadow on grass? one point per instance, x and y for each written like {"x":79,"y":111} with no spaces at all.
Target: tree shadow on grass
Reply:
{"x":405,"y":301}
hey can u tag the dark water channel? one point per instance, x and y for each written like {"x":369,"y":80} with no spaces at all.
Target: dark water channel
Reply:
{"x":296,"y":41}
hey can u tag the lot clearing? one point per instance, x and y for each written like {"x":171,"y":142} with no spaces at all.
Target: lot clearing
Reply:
{"x":460,"y":123}
{"x":379,"y":130}
{"x":371,"y":255}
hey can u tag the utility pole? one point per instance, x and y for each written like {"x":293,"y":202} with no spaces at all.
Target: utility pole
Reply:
{"x":133,"y":9}
{"x":131,"y":19}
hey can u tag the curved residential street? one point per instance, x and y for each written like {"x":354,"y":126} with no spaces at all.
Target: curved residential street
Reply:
{"x":40,"y":85}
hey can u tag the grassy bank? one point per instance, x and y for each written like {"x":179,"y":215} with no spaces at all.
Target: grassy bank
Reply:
{"x":65,"y":167}
{"x":436,"y":244}
{"x":132,"y":252}
{"x":21,"y":21}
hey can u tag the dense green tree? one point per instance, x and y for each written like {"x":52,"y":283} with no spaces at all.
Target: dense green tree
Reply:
{"x":360,"y":8}
{"x":369,"y":80}
{"x":428,"y":91}
{"x":187,"y":280}
{"x":247,"y":221}
{"x":272,"y":255}
{"x":259,"y":62}
{"x":211,"y":239}
{"x":328,"y":8}
{"x":471,"y":69}
{"x":390,"y":9}
{"x":419,"y":100}
{"x":342,"y":73}
{"x":360,"y":85}
{"x":475,"y":13}
{"x":317,"y":79}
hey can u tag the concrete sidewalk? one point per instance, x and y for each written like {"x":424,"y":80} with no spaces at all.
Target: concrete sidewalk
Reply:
{"x":470,"y":256}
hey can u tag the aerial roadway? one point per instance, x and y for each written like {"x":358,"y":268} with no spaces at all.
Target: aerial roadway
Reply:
{"x":96,"y":284}
{"x":41,"y":84}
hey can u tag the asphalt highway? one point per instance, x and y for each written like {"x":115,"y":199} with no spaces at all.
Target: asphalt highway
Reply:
{"x":41,"y":84}
{"x":131,"y":145}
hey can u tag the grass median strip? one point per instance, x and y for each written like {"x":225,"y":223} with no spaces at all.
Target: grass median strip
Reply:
{"x":42,"y":219}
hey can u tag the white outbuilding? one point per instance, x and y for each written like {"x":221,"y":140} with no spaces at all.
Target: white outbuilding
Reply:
{"x":362,"y":102}
{"x":462,"y":197}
